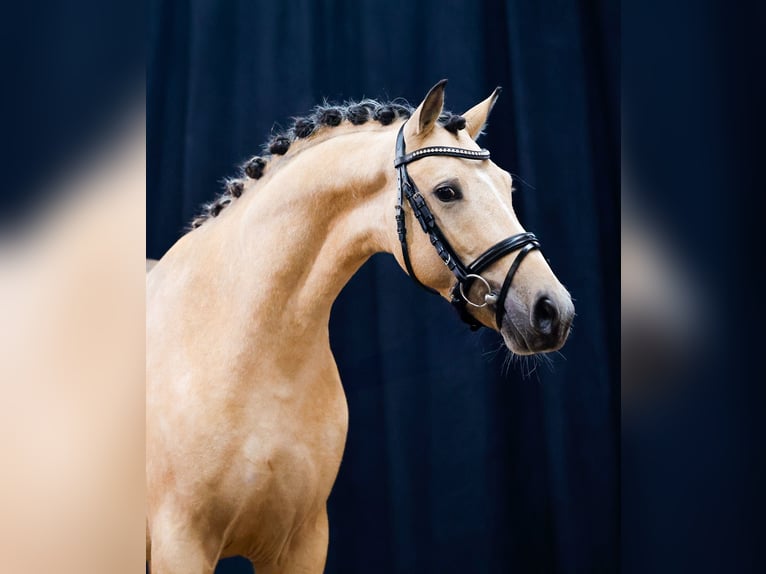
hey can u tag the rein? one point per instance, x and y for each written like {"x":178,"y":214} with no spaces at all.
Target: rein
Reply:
{"x":466,"y":274}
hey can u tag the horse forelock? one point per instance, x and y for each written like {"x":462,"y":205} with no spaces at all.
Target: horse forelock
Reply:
{"x":325,"y":116}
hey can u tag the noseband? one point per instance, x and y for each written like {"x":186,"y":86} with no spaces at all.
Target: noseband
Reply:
{"x":466,"y":274}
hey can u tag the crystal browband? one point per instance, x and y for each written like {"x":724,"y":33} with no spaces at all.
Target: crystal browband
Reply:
{"x":441,"y":150}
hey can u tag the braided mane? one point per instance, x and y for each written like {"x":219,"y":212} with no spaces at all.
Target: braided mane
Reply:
{"x":321,"y":117}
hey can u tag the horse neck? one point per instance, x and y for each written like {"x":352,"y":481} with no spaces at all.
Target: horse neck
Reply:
{"x":297,"y":239}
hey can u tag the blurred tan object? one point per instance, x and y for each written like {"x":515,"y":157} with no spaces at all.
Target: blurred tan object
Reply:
{"x":72,"y":338}
{"x":660,"y":314}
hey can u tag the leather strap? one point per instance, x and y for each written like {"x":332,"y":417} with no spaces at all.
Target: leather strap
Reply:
{"x":500,"y":307}
{"x":441,"y":150}
{"x":401,"y":229}
{"x":498,"y":250}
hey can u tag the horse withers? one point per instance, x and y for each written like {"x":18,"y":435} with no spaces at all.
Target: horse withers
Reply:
{"x":246,"y":415}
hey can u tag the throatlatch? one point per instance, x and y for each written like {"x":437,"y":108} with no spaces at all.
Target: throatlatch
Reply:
{"x":466,"y":274}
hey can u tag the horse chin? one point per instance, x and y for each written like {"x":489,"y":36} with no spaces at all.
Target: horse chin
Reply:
{"x":515,"y":342}
{"x":521,"y":343}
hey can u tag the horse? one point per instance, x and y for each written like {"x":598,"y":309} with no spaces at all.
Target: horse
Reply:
{"x":246,"y":417}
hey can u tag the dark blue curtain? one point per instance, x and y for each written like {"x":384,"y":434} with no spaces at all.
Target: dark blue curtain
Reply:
{"x":453,"y":462}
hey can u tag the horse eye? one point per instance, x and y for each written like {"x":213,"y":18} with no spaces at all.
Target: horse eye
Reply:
{"x":447,"y":194}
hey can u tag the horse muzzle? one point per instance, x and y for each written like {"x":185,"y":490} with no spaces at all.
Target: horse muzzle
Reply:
{"x":539,"y":326}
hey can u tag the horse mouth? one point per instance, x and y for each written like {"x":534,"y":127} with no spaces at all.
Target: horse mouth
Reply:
{"x":522,"y":342}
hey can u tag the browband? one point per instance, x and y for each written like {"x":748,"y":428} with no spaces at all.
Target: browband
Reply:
{"x":441,"y":150}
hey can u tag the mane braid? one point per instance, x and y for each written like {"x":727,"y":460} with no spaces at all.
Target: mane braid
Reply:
{"x":325,"y":116}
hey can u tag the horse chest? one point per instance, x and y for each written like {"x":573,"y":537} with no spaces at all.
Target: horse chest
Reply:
{"x":294,"y":464}
{"x":286,"y":466}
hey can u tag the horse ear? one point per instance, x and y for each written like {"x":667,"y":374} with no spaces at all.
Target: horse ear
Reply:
{"x":425,"y":116}
{"x":476,"y":117}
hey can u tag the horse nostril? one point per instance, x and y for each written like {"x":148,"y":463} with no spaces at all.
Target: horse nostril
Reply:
{"x":545,"y":315}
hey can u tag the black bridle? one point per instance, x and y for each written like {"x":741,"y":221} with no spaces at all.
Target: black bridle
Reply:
{"x":466,"y":274}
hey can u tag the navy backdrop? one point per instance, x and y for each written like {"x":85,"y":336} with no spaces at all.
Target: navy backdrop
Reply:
{"x":453,"y":462}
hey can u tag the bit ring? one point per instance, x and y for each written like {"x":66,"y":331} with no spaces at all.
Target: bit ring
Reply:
{"x":489,"y":298}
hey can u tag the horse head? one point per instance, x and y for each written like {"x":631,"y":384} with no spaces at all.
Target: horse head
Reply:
{"x":460,"y":236}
